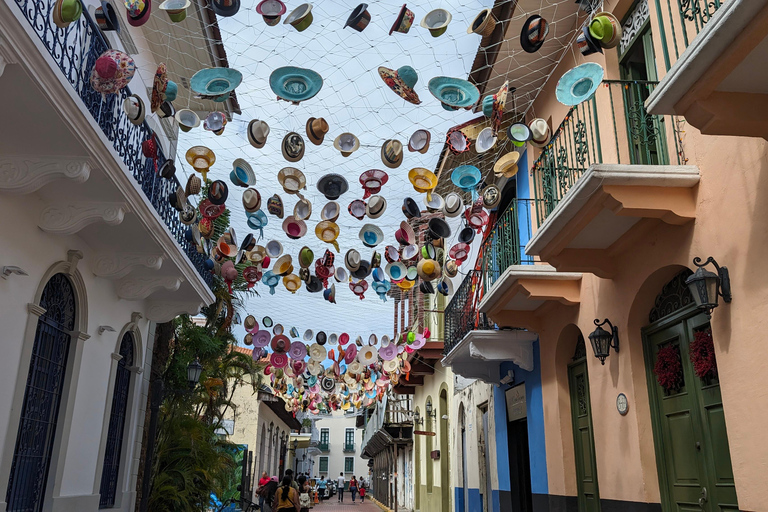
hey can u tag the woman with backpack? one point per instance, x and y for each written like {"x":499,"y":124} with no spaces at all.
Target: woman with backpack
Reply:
{"x":305,"y":494}
{"x":286,"y":497}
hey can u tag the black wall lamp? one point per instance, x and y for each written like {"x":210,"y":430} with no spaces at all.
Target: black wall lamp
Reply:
{"x":706,"y":286}
{"x":417,"y":419}
{"x":431,"y":413}
{"x":603,"y":340}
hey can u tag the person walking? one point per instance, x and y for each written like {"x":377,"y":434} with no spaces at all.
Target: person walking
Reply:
{"x":305,"y":499}
{"x":263,"y":481}
{"x":321,"y":485}
{"x":269,"y":494}
{"x":353,"y":488}
{"x":340,"y":487}
{"x":286,"y":497}
{"x":362,"y":492}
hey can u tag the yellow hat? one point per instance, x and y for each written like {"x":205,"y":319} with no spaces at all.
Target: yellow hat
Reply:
{"x":506,"y":166}
{"x":328,"y":231}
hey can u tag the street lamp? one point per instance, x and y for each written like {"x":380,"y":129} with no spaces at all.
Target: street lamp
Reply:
{"x":706,"y":286}
{"x":603,"y":340}
{"x":194,"y":369}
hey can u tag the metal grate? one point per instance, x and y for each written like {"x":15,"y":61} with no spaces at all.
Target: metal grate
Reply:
{"x":111,"y":470}
{"x":42,"y":397}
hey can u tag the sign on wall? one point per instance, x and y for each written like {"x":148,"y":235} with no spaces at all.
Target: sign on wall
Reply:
{"x":516,"y":408}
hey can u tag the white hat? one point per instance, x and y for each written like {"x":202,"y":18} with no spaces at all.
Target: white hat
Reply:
{"x":485,"y":140}
{"x":352,"y":260}
{"x":453,"y":205}
{"x":257,"y":133}
{"x":539,"y":132}
{"x":436,"y":203}
{"x":376,"y":206}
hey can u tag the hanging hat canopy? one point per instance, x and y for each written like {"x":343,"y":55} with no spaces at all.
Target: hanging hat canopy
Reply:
{"x":316,"y":129}
{"x":579,"y":84}
{"x":294,"y":84}
{"x":372,"y":180}
{"x":483,"y":24}
{"x":466,"y":177}
{"x":403,"y":21}
{"x":436,"y":21}
{"x":257,"y":133}
{"x":347,"y":143}
{"x":454,"y":93}
{"x":328,"y":232}
{"x":215,"y":83}
{"x":371,"y":235}
{"x":332,"y":186}
{"x":401,"y":81}
{"x":533,"y":33}
{"x":506,"y":166}
{"x":392,"y":153}
{"x":300,"y":18}
{"x":291,"y":179}
{"x":271,"y":11}
{"x":376,"y":207}
{"x":330,"y":211}
{"x":359,"y":19}
{"x":292,"y":147}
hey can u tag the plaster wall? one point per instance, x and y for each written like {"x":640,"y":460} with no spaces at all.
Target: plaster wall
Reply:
{"x":337,"y":423}
{"x":84,"y":416}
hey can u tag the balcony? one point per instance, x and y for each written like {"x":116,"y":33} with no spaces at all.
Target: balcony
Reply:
{"x":391,"y":421}
{"x":718,"y":81}
{"x":349,"y":447}
{"x":323,"y":446}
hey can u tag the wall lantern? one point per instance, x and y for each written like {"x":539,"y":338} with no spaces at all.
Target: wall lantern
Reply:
{"x":706,"y":286}
{"x":431,"y":413}
{"x":194,"y":369}
{"x":603,"y":340}
{"x":417,"y":419}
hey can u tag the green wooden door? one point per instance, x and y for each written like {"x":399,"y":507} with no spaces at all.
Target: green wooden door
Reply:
{"x":583,"y":440}
{"x":691,"y":440}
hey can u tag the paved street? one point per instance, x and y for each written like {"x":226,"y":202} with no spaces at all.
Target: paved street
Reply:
{"x":334,"y":506}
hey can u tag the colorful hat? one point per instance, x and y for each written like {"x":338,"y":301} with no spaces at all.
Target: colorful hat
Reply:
{"x":215,"y":122}
{"x":330,"y":294}
{"x":381,"y":288}
{"x":316,"y":130}
{"x":294,"y":227}
{"x":491,"y":197}
{"x":283,"y":265}
{"x":419,"y":141}
{"x":372,"y":180}
{"x":261,"y":338}
{"x":466,"y":177}
{"x":292,"y":283}
{"x":403,"y":21}
{"x":242,"y":173}
{"x":392,"y":153}
{"x":218,"y":192}
{"x":451,"y":268}
{"x":422,"y":179}
{"x":187,"y":119}
{"x":257,"y":133}
{"x":483,"y":24}
{"x":428,"y":270}
{"x":106,"y":17}
{"x":293,"y":147}
{"x":396,"y":271}
{"x":216,"y":83}
{"x":352,"y":260}
{"x":291,"y":179}
{"x":328,"y":232}
{"x":485,"y":140}
{"x":138,"y":11}
{"x":506,"y":166}
{"x":376,"y":206}
{"x":295,"y":84}
{"x":406,"y":284}
{"x":347,"y":143}
{"x":371,"y":235}
{"x":409,"y":252}
{"x":359,"y":19}
{"x":257,"y":220}
{"x":533,"y":33}
{"x":350,"y":354}
{"x":405,"y":235}
{"x":306,"y":257}
{"x":112,"y":72}
{"x":439,"y":228}
{"x":402,"y":82}
{"x":606,"y":29}
{"x":587,"y":44}
{"x":303,"y":209}
{"x":225,"y":8}
{"x":176,"y":9}
{"x":391,"y":254}
{"x":298,"y":350}
{"x":271,"y":11}
{"x":66,"y":11}
{"x":134,"y":108}
{"x":579,"y":84}
{"x":275,"y":206}
{"x":271,"y":280}
{"x":359,"y":288}
{"x":300,"y":18}
{"x":459,"y":252}
{"x":332,"y":186}
{"x":454,"y":93}
{"x":367,"y":355}
{"x":453,"y":205}
{"x":436,"y":21}
{"x":357,"y":209}
{"x":519,"y":134}
{"x":457,"y":141}
{"x":539,"y":132}
{"x":330,"y":211}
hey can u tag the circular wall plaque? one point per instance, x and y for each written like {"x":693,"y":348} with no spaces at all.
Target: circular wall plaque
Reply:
{"x":622,"y":404}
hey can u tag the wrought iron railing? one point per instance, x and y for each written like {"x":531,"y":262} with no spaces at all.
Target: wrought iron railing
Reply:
{"x":503,"y":245}
{"x":682,"y":20}
{"x":461,"y":314}
{"x":323,"y":446}
{"x":634,"y":136}
{"x":349,"y":447}
{"x":75,"y":50}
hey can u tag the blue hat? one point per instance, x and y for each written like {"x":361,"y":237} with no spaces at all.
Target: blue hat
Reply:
{"x":257,"y":221}
{"x":270,"y":279}
{"x":171,"y":90}
{"x":216,"y":82}
{"x":381,"y":288}
{"x":579,"y":84}
{"x":466,"y":177}
{"x":488,"y":106}
{"x":454,"y":93}
{"x":295,"y":84}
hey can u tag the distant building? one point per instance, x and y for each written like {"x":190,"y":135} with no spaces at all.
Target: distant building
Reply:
{"x":340,"y":447}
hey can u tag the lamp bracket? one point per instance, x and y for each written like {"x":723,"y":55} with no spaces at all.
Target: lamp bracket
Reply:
{"x":614,"y":331}
{"x":724,"y":281}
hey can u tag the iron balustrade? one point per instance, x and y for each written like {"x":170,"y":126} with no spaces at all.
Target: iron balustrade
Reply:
{"x":323,"y":447}
{"x":683,"y":20}
{"x":461,"y":314}
{"x":349,"y":447}
{"x":636,"y":137}
{"x":75,"y":50}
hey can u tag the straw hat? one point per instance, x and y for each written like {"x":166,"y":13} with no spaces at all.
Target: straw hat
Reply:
{"x":352,"y":260}
{"x":451,"y":268}
{"x":372,"y":180}
{"x":328,"y":232}
{"x":330,"y":211}
{"x":539,"y":132}
{"x":485,"y":140}
{"x":187,"y":119}
{"x":317,"y":128}
{"x":242,"y":173}
{"x":419,"y":141}
{"x":423,"y":180}
{"x":483,"y":24}
{"x":292,"y":283}
{"x":401,"y":81}
{"x":283,"y":265}
{"x":251,"y":200}
{"x":506,"y":166}
{"x":428,"y":270}
{"x":291,"y":179}
{"x":376,"y":207}
{"x":347,"y":143}
{"x":392,"y":153}
{"x":200,"y":158}
{"x":371,"y":235}
{"x":257,"y":133}
{"x":294,"y":228}
{"x":405,"y":235}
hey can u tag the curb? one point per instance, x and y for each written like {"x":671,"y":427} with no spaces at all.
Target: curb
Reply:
{"x":380,"y":505}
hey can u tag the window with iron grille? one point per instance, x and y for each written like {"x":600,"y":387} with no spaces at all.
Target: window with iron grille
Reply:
{"x":323,"y":464}
{"x":349,"y":464}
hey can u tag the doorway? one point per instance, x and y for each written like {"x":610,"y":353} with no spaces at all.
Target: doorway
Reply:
{"x":690,"y":436}
{"x":519,"y":465}
{"x":485,"y":462}
{"x":588,"y":497}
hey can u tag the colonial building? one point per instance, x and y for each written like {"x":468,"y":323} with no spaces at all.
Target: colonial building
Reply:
{"x":340,"y":447}
{"x":93,"y":259}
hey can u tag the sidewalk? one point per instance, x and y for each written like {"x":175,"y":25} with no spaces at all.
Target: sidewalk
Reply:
{"x":334,"y":506}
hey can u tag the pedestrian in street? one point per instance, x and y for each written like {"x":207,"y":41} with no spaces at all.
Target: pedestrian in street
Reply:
{"x":263,"y":481}
{"x":340,"y":487}
{"x":269,"y":494}
{"x":286,"y":497}
{"x":353,"y":487}
{"x":362,"y":493}
{"x":321,"y":487}
{"x":305,"y":499}
{"x":294,"y":484}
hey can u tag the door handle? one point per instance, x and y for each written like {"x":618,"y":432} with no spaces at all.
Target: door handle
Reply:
{"x":703,"y":497}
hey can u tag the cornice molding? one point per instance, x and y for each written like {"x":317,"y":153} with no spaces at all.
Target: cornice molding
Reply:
{"x":139,"y":288}
{"x":24,"y":174}
{"x":117,"y":265}
{"x":68,"y":219}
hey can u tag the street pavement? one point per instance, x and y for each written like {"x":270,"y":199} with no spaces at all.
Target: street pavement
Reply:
{"x":332,"y":505}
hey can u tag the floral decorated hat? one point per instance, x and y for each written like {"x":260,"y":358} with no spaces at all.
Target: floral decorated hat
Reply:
{"x":401,"y":81}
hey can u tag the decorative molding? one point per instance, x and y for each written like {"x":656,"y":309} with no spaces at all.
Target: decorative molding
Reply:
{"x":73,"y":258}
{"x":117,"y":265}
{"x":26,"y":174}
{"x":136,"y":370}
{"x":116,"y":357}
{"x":35,"y":309}
{"x":68,"y":219}
{"x":6,"y":57}
{"x":166,"y":311}
{"x":633,"y":24}
{"x":139,"y":288}
{"x":82,"y":336}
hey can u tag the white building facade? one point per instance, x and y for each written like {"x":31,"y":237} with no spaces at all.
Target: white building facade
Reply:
{"x":340,"y":447}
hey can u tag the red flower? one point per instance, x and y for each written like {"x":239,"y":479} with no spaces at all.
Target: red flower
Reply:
{"x":668,"y":368}
{"x":702,"y":354}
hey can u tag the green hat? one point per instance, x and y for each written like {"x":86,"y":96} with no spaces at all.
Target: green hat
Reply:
{"x":306,"y":257}
{"x":66,"y":11}
{"x":601,"y":28}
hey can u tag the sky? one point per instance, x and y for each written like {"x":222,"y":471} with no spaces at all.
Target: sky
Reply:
{"x":353,"y":99}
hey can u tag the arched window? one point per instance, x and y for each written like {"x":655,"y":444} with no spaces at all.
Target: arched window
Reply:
{"x":42,"y":396}
{"x":111,"y":470}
